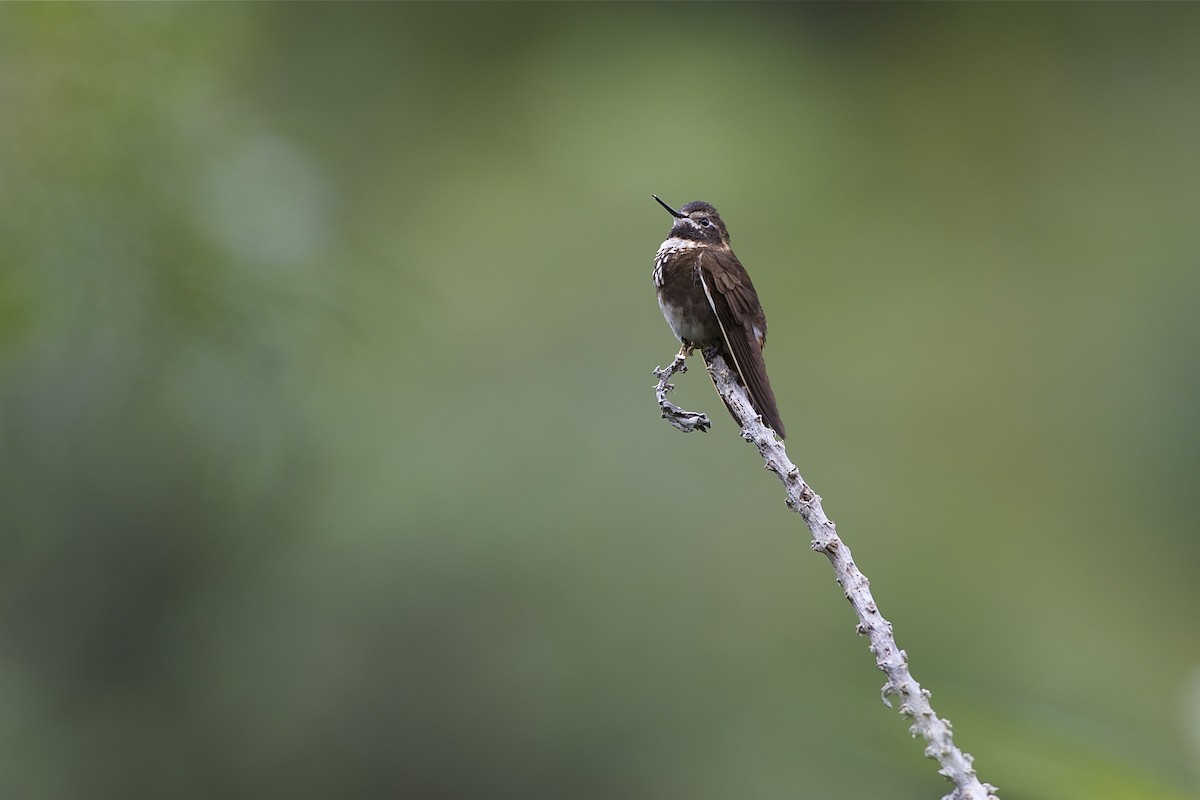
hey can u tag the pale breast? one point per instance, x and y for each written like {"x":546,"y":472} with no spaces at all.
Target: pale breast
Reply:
{"x":681,"y":294}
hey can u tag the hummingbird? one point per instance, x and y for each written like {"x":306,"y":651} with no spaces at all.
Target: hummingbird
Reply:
{"x":707,"y":297}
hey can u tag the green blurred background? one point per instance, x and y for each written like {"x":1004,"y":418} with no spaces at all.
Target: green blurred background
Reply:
{"x":329,"y":458}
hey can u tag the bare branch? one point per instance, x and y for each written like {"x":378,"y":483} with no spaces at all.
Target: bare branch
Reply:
{"x":891,"y":660}
{"x":686,"y":421}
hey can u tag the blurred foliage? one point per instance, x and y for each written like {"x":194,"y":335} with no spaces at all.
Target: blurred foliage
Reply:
{"x":329,"y":461}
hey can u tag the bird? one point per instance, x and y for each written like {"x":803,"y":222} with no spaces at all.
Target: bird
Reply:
{"x":710,"y":303}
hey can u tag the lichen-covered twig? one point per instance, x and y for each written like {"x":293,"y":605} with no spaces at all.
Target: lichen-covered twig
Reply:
{"x":686,"y":421}
{"x":891,"y":660}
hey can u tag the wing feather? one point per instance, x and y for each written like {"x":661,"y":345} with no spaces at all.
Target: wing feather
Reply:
{"x":743,"y":327}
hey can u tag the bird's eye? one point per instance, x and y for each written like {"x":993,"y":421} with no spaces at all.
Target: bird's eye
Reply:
{"x":704,"y":222}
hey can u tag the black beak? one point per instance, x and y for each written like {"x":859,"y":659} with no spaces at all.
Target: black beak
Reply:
{"x":672,"y":211}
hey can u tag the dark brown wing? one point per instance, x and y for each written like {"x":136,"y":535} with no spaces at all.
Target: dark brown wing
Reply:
{"x":744,"y":326}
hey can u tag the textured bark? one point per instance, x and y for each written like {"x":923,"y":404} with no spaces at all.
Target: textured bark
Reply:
{"x":892,"y":661}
